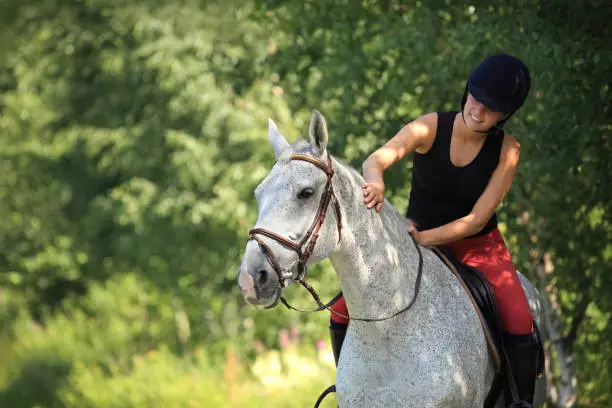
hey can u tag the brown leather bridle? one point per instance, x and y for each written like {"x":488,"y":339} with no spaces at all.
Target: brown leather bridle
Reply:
{"x":311,"y":236}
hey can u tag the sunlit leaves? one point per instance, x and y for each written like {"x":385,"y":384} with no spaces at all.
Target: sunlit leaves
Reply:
{"x":133,"y":135}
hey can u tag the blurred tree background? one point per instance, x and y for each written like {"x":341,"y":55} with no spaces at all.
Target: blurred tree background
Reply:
{"x":133,"y":134}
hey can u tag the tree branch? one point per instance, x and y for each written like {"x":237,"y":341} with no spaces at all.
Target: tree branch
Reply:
{"x":581,"y":308}
{"x":562,"y":395}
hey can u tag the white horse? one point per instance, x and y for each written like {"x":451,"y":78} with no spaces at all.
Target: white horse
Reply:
{"x":433,"y":354}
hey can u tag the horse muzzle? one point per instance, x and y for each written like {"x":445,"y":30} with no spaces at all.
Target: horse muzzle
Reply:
{"x":257,"y":279}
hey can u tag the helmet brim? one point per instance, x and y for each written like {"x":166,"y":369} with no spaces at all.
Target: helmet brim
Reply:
{"x":491,"y":103}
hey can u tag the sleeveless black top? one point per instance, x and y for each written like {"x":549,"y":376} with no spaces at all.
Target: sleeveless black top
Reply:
{"x":442,"y":192}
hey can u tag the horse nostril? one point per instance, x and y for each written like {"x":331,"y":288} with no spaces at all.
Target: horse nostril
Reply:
{"x":261,"y":277}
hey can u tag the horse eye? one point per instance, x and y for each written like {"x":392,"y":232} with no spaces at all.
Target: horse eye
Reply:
{"x":306,"y":193}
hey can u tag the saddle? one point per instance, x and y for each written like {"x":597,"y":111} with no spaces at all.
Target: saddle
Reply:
{"x":483,"y":299}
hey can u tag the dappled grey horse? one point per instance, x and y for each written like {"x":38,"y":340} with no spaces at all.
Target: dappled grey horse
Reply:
{"x":430,"y":349}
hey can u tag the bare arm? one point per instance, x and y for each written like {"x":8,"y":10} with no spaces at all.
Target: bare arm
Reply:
{"x":491,"y":198}
{"x":417,"y":135}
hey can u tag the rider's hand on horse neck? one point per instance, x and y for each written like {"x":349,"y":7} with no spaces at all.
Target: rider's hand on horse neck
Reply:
{"x":374,"y":194}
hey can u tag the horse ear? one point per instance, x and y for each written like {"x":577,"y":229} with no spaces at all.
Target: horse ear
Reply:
{"x":318,"y":132}
{"x":278,"y":141}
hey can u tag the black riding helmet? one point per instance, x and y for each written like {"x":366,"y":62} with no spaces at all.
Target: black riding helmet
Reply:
{"x":501,"y":82}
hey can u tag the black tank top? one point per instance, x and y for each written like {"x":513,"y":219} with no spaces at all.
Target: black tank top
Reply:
{"x":442,"y":192}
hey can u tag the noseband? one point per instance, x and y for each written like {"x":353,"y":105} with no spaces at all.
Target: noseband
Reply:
{"x":311,"y":236}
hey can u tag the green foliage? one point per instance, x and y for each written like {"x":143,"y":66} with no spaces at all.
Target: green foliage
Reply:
{"x":133,"y":136}
{"x":119,"y":350}
{"x":141,"y":155}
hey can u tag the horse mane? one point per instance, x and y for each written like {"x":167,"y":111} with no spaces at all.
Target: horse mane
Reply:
{"x":388,"y":209}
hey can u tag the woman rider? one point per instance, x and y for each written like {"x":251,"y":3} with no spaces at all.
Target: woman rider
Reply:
{"x":463,"y":166}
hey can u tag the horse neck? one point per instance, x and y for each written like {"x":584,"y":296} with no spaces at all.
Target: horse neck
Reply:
{"x":376,"y":260}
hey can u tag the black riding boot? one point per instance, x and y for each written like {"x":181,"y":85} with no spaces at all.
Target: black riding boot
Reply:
{"x":522,"y":351}
{"x":337,"y":332}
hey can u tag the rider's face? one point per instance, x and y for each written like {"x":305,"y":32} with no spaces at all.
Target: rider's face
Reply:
{"x":478,"y":116}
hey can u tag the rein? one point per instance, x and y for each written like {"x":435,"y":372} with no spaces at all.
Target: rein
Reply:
{"x":317,"y":299}
{"x":313,"y":235}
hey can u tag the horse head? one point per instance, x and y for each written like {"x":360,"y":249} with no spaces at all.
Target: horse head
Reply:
{"x":294,"y":227}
